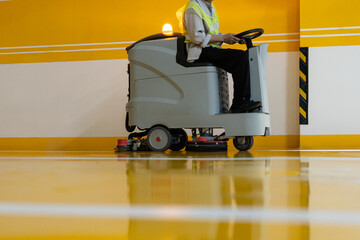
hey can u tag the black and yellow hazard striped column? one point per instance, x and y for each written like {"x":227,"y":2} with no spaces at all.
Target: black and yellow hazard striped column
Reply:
{"x":304,"y":85}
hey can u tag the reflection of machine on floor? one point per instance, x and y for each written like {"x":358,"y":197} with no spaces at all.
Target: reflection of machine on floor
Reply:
{"x":168,"y":94}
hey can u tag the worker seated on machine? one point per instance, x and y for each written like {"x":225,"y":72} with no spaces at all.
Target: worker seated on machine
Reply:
{"x":199,"y":24}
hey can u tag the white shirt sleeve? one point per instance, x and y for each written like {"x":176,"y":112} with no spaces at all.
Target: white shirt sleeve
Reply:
{"x":196,"y":29}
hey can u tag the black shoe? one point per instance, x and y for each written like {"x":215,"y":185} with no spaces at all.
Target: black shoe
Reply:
{"x":247,"y":106}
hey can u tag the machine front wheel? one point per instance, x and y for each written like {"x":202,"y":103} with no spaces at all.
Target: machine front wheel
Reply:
{"x":180,"y":138}
{"x":159,"y":139}
{"x":243,"y":143}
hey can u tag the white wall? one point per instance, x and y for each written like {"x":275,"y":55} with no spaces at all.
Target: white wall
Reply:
{"x":63,"y":99}
{"x":334,"y":91}
{"x":283,"y":86}
{"x":87,"y":98}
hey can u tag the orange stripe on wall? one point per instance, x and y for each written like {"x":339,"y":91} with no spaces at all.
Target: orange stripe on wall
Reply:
{"x":109,"y":143}
{"x":43,"y":22}
{"x":328,"y":18}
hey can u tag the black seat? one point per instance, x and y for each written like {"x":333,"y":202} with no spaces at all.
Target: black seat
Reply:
{"x":181,"y":55}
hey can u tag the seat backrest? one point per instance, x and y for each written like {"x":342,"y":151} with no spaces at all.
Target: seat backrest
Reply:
{"x":181,"y":55}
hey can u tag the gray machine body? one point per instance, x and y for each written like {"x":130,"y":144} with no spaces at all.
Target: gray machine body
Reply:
{"x":163,"y":92}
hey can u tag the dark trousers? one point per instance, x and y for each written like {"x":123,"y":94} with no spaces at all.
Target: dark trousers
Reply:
{"x":235,"y":62}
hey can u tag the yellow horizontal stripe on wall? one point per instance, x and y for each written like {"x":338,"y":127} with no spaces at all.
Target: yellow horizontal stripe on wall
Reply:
{"x":63,"y":56}
{"x":329,"y":13}
{"x":274,"y":46}
{"x":59,"y":22}
{"x":351,"y":29}
{"x":103,"y":52}
{"x":318,"y":37}
{"x":329,"y":141}
{"x":59,"y":144}
{"x":109,"y":143}
{"x":338,"y":19}
{"x":328,"y":41}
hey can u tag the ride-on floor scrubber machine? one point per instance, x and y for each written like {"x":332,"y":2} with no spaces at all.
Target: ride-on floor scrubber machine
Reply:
{"x":167,"y":94}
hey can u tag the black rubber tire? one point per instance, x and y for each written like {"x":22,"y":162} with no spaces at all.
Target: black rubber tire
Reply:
{"x":159,"y":139}
{"x":181,"y":136}
{"x":243,"y":143}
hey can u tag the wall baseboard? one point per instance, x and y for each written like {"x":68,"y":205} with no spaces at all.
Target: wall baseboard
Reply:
{"x":109,"y":143}
{"x":59,"y":144}
{"x":329,"y":141}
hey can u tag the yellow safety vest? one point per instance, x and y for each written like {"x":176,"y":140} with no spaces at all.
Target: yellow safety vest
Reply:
{"x":212,"y":22}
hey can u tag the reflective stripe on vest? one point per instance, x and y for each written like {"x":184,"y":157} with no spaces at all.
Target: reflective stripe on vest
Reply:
{"x":212,"y":22}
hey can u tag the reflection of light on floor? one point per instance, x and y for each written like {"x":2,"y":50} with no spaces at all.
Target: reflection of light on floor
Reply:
{"x":259,"y":195}
{"x":313,"y":158}
{"x":314,"y":150}
{"x":181,"y":213}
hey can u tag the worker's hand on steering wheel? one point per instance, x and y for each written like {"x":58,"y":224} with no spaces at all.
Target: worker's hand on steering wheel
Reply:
{"x":231,"y":39}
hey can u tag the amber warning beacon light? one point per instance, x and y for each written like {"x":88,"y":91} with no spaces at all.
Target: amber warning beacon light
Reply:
{"x":167,"y":29}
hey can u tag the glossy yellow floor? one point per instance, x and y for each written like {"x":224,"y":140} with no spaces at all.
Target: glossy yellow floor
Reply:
{"x":180,"y":196}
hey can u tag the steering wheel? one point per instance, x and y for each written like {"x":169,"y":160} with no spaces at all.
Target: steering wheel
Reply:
{"x":249,"y":35}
